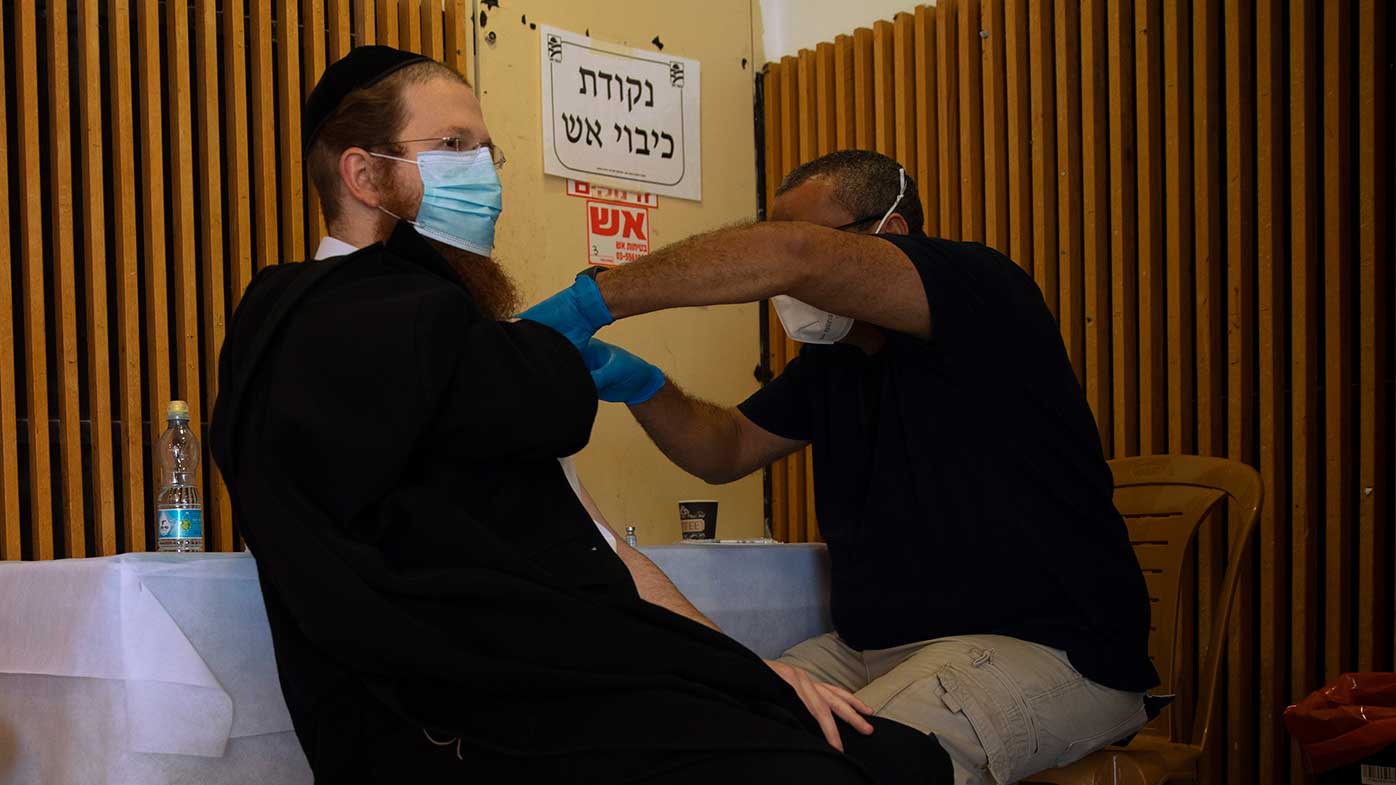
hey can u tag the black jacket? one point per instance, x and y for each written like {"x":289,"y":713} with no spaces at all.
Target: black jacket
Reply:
{"x":392,"y":459}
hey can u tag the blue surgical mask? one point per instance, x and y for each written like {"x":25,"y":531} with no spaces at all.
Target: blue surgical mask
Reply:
{"x":461,"y":198}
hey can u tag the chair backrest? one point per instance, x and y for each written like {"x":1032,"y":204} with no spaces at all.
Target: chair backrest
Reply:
{"x":1164,"y":499}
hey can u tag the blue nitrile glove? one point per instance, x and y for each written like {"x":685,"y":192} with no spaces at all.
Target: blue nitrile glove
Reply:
{"x":577,"y":311}
{"x":620,"y":376}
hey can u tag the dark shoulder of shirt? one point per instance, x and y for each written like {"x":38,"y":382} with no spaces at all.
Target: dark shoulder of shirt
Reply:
{"x":987,"y":320}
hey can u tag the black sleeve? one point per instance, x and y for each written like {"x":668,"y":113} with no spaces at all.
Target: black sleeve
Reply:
{"x":519,"y":384}
{"x":979,"y":300}
{"x":783,"y":406}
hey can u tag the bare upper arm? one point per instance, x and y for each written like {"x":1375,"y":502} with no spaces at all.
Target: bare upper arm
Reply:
{"x":756,"y":446}
{"x":863,"y":277}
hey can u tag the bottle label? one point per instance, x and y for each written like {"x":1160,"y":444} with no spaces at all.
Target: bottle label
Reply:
{"x":183,"y":524}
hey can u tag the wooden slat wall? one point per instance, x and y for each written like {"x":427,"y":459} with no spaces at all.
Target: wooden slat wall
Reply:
{"x":168,"y":171}
{"x":1204,"y":192}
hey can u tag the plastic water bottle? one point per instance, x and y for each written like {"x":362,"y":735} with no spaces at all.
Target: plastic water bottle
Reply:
{"x":179,"y":517}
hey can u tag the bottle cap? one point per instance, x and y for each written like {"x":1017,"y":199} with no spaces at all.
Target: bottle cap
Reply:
{"x":178,"y":410}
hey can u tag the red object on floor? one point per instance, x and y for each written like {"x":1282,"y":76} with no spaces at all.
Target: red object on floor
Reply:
{"x":1349,"y":719}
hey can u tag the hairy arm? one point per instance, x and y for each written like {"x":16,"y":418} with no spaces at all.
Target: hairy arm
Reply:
{"x":651,"y":582}
{"x":854,"y":275}
{"x":715,"y":444}
{"x":656,"y":588}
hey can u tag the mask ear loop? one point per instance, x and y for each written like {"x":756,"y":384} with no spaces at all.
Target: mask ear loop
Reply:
{"x":396,"y":158}
{"x":901,"y":191}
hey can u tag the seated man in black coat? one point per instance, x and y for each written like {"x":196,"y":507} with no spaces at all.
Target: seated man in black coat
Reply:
{"x":442,"y":607}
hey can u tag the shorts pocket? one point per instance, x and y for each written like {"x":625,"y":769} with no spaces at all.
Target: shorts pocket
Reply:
{"x":997,"y":717}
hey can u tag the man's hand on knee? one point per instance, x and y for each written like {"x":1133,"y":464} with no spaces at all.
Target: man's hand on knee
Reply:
{"x":825,"y":701}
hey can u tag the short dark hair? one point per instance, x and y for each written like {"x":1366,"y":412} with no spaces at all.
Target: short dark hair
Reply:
{"x":865,"y":184}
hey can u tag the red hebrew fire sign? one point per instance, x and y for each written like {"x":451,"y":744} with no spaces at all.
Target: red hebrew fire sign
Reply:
{"x":616,"y":233}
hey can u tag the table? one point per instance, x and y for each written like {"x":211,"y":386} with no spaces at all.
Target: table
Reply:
{"x":158,"y":668}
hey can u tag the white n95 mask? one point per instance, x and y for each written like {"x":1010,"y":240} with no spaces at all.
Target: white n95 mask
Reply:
{"x":807,"y":324}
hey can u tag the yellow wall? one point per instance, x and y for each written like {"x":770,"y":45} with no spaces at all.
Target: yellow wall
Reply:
{"x":541,"y":236}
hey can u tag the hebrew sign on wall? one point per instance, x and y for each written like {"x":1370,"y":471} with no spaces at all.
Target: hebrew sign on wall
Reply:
{"x":622,"y":117}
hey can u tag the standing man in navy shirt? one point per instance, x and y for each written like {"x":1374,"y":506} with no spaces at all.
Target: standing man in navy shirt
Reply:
{"x":984,"y":588}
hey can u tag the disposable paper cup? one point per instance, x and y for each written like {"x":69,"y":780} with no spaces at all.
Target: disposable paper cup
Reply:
{"x":698,"y":519}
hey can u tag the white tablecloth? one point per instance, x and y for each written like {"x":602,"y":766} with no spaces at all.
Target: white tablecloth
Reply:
{"x":158,"y":668}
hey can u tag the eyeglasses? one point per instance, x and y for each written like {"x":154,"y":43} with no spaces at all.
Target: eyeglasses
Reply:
{"x":455,"y":144}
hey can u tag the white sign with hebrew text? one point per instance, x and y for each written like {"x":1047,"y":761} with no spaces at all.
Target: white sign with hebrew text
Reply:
{"x":621,"y":117}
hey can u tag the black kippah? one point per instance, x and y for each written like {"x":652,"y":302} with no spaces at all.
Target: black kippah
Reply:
{"x":362,"y":67}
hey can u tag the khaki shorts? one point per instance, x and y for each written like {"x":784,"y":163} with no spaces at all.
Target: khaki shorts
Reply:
{"x":1002,"y":708}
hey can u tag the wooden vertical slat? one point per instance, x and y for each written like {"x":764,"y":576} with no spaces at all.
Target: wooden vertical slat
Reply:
{"x":845,"y":132}
{"x":789,"y":115}
{"x":182,"y":177}
{"x":11,"y":541}
{"x":826,"y":110}
{"x":772,"y":100}
{"x":262,"y":96}
{"x":153,"y":216}
{"x":94,"y":254}
{"x":124,"y":219}
{"x":1019,"y":130}
{"x":1273,"y":437}
{"x":1209,"y":240}
{"x":1067,"y":29}
{"x":1338,"y":258}
{"x":1240,"y":212}
{"x":339,"y":21}
{"x":366,"y":22}
{"x":409,"y":24}
{"x":63,"y":264}
{"x":791,"y":157}
{"x":1210,"y":248}
{"x":387,"y":27}
{"x":288,"y":94}
{"x":927,"y":122}
{"x":863,"y":112}
{"x":433,"y":42}
{"x":457,"y":34}
{"x":218,"y":527}
{"x":1124,"y":247}
{"x":806,"y":119}
{"x":235,"y":149}
{"x":998,"y":90}
{"x":904,"y":89}
{"x":1044,"y":153}
{"x":1178,"y":191}
{"x":971,"y":123}
{"x":801,"y":467}
{"x":948,"y":95}
{"x":31,"y":231}
{"x":1178,"y":188}
{"x":1153,"y":346}
{"x":1306,"y":431}
{"x":884,"y":108}
{"x":1095,"y":215}
{"x":313,"y":63}
{"x":817,"y":113}
{"x":1374,"y":511}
